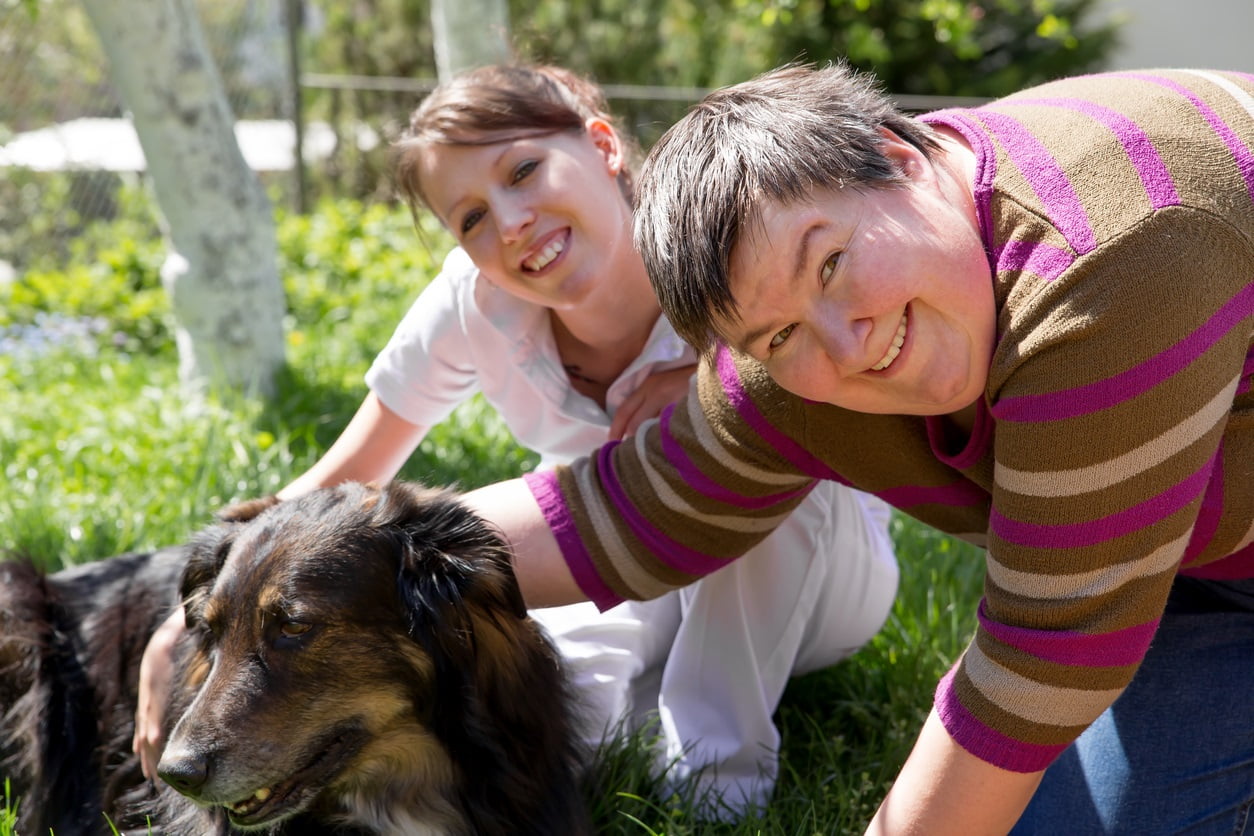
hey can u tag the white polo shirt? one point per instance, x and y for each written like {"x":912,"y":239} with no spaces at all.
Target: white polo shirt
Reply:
{"x":464,"y":335}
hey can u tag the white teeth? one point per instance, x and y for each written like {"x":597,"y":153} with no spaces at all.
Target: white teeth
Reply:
{"x":895,"y":348}
{"x":542,"y":259}
{"x":262,"y":794}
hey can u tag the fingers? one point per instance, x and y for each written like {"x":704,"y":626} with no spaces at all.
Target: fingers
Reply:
{"x":654,"y":395}
{"x":246,"y":509}
{"x":619,"y":423}
{"x":156,"y":670}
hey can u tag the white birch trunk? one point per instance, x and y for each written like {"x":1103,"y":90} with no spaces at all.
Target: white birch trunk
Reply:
{"x":469,"y":33}
{"x":222,"y":271}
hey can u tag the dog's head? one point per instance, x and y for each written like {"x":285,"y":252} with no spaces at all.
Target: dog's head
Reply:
{"x":362,"y":652}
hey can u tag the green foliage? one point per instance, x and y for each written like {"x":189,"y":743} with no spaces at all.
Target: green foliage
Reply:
{"x":351,"y":261}
{"x":937,"y":47}
{"x":8,"y":815}
{"x":102,"y":451}
{"x":43,"y":214}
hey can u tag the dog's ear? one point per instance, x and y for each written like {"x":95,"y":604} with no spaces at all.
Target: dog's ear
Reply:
{"x":206,"y":555}
{"x":498,"y":693}
{"x":450,"y":554}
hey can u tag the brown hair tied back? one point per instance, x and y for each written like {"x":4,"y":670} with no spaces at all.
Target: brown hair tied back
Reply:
{"x":497,"y":103}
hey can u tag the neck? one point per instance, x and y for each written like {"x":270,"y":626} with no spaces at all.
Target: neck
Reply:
{"x":598,"y":340}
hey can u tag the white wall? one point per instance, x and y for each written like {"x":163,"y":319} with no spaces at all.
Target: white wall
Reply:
{"x":1211,"y":34}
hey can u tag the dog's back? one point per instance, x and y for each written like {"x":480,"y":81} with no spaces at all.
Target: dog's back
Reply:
{"x":70,"y":647}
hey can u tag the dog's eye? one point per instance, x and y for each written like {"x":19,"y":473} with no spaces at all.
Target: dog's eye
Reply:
{"x":293,"y":629}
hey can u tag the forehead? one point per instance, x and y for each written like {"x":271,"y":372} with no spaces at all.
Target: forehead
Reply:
{"x":771,"y":241}
{"x":450,"y":172}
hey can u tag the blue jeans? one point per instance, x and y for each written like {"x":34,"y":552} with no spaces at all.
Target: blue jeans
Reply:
{"x":1175,"y":753}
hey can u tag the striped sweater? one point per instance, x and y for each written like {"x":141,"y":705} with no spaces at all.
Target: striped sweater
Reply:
{"x":1114,"y":447}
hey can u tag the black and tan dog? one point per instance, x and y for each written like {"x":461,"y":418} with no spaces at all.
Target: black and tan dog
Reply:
{"x":358,"y":660}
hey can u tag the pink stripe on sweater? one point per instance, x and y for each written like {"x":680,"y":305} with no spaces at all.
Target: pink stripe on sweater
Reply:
{"x":1044,"y":260}
{"x":1046,"y":177}
{"x":701,"y":483}
{"x":1211,"y":512}
{"x":800,"y":458}
{"x":1141,"y":152}
{"x":1066,"y":647}
{"x":959,"y":494}
{"x":664,"y":548}
{"x":1111,"y":391}
{"x":1080,"y":535}
{"x":1238,"y":565}
{"x":544,"y":487}
{"x":1241,"y":154}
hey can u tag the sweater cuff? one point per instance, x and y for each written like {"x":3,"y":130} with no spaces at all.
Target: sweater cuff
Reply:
{"x":986,"y":743}
{"x":547,"y":492}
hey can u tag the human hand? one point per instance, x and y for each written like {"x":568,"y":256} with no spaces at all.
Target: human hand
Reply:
{"x":156,"y":671}
{"x":658,"y":391}
{"x":246,"y":509}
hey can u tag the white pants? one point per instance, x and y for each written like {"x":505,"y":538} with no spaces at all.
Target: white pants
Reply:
{"x":711,"y":660}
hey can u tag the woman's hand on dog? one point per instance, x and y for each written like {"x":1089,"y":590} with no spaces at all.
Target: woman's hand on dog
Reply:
{"x":155,"y":672}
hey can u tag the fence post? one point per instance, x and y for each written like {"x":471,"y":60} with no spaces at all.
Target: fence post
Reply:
{"x":292,"y":14}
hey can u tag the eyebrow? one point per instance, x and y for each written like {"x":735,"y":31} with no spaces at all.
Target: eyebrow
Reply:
{"x":803,"y":257}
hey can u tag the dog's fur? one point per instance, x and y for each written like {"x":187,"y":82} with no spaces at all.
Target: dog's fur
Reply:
{"x":360,"y":655}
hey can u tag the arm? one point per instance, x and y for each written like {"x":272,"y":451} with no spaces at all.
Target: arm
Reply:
{"x":372,"y":448}
{"x":943,"y":789}
{"x":542,"y":573}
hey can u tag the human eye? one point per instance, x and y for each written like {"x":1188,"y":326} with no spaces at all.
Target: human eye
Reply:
{"x":472,"y":217}
{"x":829,"y":267}
{"x":524,"y":168}
{"x":782,"y":336}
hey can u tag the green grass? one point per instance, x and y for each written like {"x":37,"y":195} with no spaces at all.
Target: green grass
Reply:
{"x":102,"y":453}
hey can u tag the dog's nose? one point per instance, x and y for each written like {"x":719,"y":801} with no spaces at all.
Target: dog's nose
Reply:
{"x":185,"y":771}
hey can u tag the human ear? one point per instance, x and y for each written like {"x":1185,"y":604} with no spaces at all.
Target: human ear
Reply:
{"x":606,"y":140}
{"x":908,"y":159}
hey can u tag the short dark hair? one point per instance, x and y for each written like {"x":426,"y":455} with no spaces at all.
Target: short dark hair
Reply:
{"x":777,"y":137}
{"x":496,"y":103}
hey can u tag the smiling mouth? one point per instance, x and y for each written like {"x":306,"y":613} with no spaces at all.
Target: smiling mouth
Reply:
{"x":545,"y":257}
{"x":288,"y":797}
{"x":894,"y":348}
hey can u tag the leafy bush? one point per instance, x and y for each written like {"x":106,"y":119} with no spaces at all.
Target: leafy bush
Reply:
{"x":346,"y":263}
{"x":101,"y":449}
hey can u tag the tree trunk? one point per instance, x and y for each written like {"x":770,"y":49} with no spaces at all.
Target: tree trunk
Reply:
{"x":222,"y":270}
{"x":469,"y":33}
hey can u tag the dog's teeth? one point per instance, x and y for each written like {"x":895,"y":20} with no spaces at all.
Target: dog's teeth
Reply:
{"x":261,"y":794}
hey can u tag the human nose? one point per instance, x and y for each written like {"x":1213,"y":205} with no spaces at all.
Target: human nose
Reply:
{"x":513,"y":216}
{"x":843,"y":337}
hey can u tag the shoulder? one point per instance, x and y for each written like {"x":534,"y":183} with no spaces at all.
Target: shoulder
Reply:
{"x":458,"y":271}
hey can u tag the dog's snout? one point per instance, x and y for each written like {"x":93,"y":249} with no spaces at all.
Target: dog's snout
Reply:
{"x":186,"y":771}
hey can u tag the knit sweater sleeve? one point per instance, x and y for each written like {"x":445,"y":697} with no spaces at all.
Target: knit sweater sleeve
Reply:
{"x":691,"y":491}
{"x":1112,"y":391}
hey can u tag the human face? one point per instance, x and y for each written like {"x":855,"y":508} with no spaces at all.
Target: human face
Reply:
{"x":876,"y":300}
{"x":541,"y":216}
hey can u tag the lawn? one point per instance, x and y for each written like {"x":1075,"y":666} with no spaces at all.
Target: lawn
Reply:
{"x":102,"y":453}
